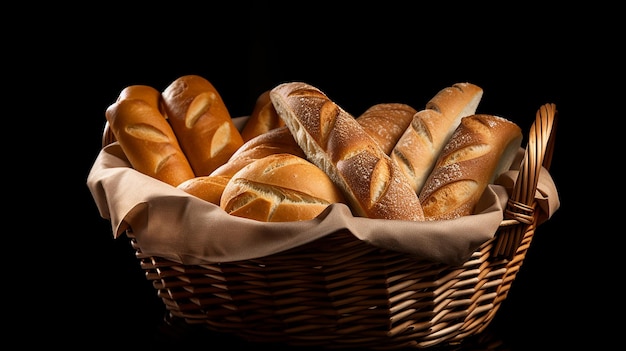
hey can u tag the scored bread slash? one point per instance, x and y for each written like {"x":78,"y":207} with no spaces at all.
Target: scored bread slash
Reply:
{"x":480,"y":149}
{"x":280,"y":187}
{"x":201,"y":122}
{"x":418,"y":147}
{"x":274,"y":141}
{"x":386,"y":122}
{"x":334,"y":141}
{"x":146,"y":137}
{"x":262,"y":119}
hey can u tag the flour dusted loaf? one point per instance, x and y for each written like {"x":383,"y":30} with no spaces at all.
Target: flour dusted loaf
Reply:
{"x":386,"y":122}
{"x":419,"y":146}
{"x":481,"y":148}
{"x":333,"y":140}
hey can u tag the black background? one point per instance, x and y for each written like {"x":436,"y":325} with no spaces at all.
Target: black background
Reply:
{"x":92,"y":288}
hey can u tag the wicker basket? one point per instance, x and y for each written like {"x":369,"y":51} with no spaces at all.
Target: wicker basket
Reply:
{"x":339,"y":292}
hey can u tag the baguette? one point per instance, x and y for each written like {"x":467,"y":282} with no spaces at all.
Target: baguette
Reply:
{"x":480,"y":149}
{"x":201,"y":122}
{"x":279,"y":188}
{"x":277,"y":140}
{"x":386,"y":122}
{"x":146,"y":137}
{"x":262,"y":119}
{"x":334,"y":141}
{"x":142,"y":92}
{"x":417,"y":149}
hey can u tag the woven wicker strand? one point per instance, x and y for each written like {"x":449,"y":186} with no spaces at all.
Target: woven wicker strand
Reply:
{"x":521,"y":204}
{"x":339,"y":292}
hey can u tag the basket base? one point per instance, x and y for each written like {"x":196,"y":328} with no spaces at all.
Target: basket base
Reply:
{"x":175,"y":332}
{"x":339,"y":294}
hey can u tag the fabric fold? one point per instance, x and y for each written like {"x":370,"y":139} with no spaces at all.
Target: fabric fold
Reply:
{"x":170,"y":223}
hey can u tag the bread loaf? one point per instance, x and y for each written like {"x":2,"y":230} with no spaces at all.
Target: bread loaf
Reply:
{"x":208,"y":188}
{"x":148,"y":94}
{"x":333,"y":140}
{"x":481,"y":148}
{"x":201,"y":122}
{"x":262,"y":119}
{"x":417,"y":149}
{"x":279,"y":188}
{"x":386,"y":122}
{"x":146,"y":137}
{"x":275,"y":141}
{"x":142,"y":92}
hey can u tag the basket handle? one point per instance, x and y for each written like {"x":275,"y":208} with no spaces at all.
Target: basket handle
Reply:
{"x":521,"y":204}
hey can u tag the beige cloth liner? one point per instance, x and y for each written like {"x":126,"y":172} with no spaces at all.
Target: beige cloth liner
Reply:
{"x":169,"y":223}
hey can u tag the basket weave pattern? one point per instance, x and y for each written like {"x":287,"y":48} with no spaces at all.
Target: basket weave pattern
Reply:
{"x":340,"y":292}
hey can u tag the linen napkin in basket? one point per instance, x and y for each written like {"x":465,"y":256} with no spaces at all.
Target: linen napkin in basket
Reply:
{"x":169,"y":223}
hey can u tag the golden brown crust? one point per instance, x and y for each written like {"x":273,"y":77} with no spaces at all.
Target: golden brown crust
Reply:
{"x":146,"y":93}
{"x":207,"y":188}
{"x":480,"y":149}
{"x":148,"y":141}
{"x":277,"y":140}
{"x":279,"y":188}
{"x":334,"y":141}
{"x":386,"y":122}
{"x":459,"y":99}
{"x":201,"y":122}
{"x":262,"y":119}
{"x":417,"y":149}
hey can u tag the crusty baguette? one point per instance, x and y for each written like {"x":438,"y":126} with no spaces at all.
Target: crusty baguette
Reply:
{"x":481,"y":148}
{"x":141,"y":92}
{"x":277,"y":140}
{"x":201,"y":122}
{"x":208,"y":188}
{"x":279,"y":188}
{"x":417,"y":149}
{"x":148,"y":94}
{"x":262,"y":119}
{"x":386,"y":122}
{"x":333,"y":140}
{"x":146,"y":137}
